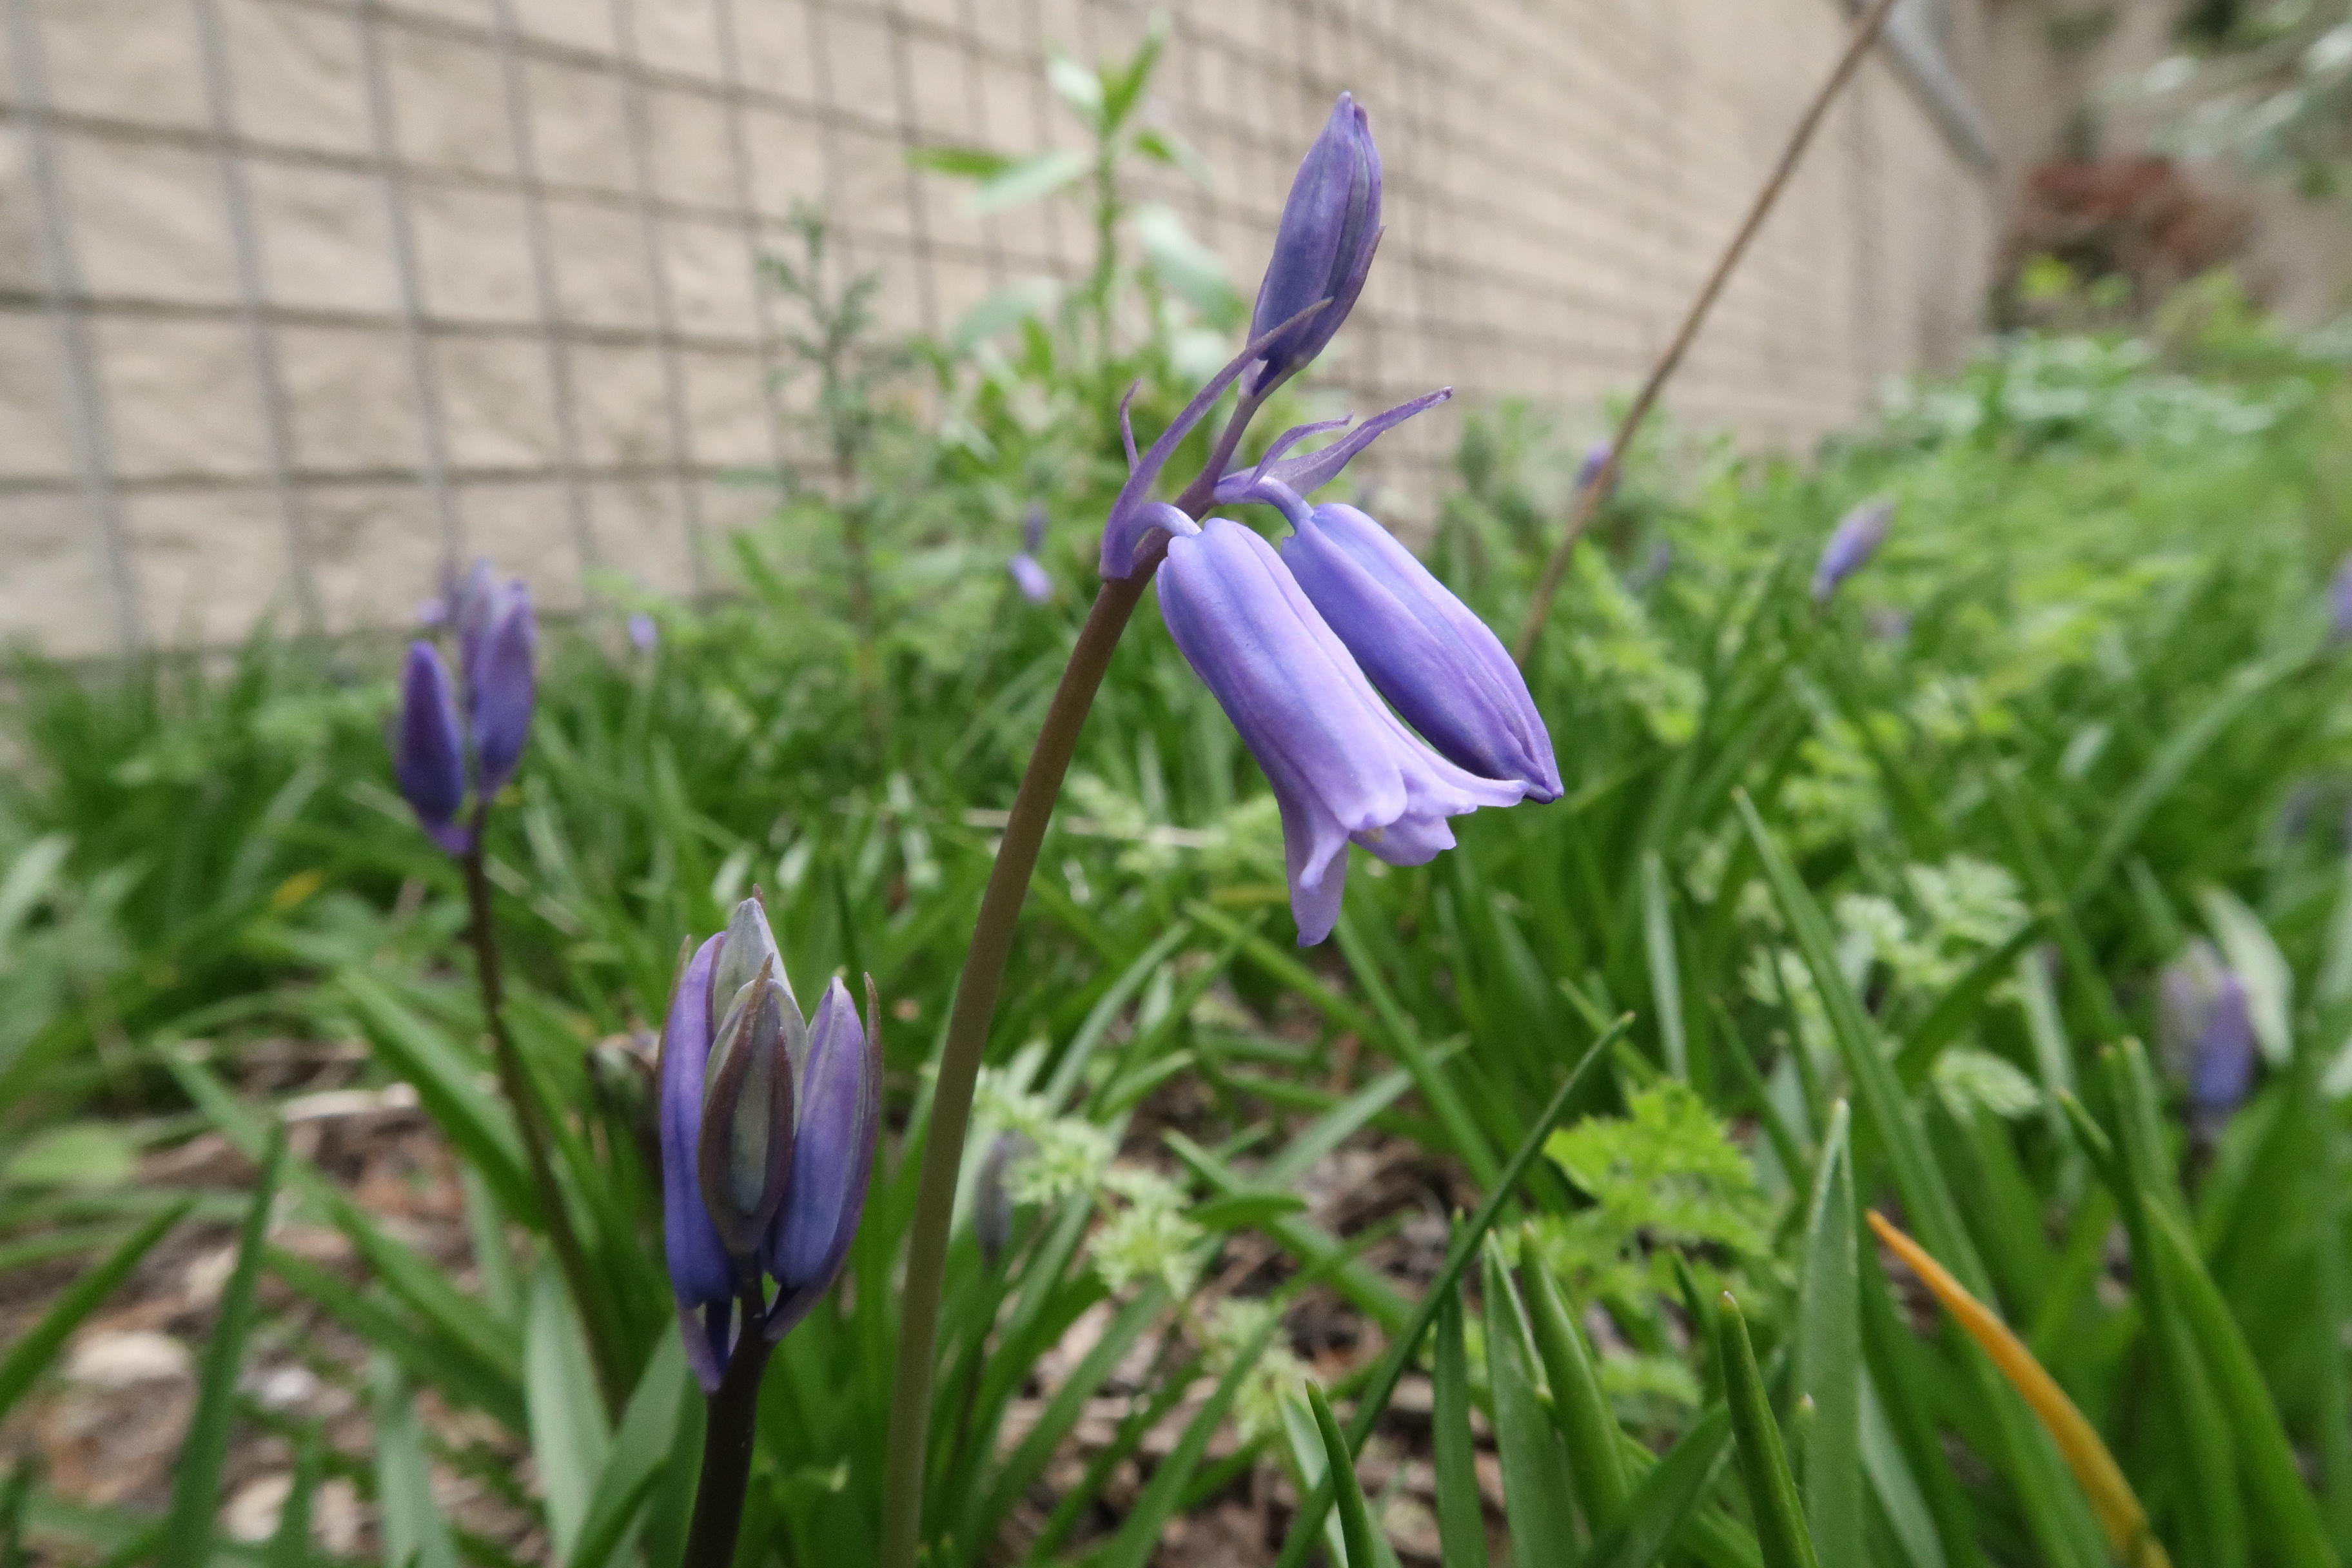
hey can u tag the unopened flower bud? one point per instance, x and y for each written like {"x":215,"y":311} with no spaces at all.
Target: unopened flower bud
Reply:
{"x":1323,"y":249}
{"x":744,"y":1158}
{"x":428,"y":757}
{"x":991,"y":1198}
{"x":1851,"y":545}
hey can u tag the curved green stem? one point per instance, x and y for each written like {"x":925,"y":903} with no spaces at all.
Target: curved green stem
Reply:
{"x":514,"y":1081}
{"x":975,"y":1006}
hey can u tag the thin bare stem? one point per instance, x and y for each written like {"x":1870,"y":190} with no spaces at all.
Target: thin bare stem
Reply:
{"x":514,"y":1081}
{"x":975,"y":1007}
{"x":731,"y":1430}
{"x":1588,"y":497}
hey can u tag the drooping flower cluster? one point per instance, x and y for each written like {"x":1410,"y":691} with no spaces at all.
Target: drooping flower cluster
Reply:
{"x":443,"y":747}
{"x":768,"y":1126}
{"x":1301,"y":645}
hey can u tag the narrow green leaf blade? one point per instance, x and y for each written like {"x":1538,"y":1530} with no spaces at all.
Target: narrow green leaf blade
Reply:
{"x":1461,"y":1514}
{"x":28,"y":1357}
{"x":1535,"y":1462}
{"x":1355,"y":1518}
{"x":1781,"y":1530}
{"x":568,"y":1436}
{"x":203,"y":1452}
{"x":1828,"y":1371}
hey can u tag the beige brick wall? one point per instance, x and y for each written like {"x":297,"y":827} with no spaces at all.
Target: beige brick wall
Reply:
{"x":321,"y":295}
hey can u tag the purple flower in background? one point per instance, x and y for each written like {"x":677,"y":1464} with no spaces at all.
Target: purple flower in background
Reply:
{"x":1323,"y":249}
{"x":498,"y":643}
{"x":1437,"y":663}
{"x":1588,"y":473}
{"x":645,"y":632}
{"x":1851,"y":543}
{"x":1343,"y":766}
{"x":2205,"y":1028}
{"x":2339,"y":602}
{"x":1029,"y":574}
{"x":1653,"y":569}
{"x":768,"y":1129}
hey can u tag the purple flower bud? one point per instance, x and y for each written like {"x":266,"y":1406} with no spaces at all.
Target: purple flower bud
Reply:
{"x":1653,"y":569}
{"x":501,"y":681}
{"x":1437,"y":663}
{"x":1323,"y":249}
{"x":1343,"y":766}
{"x":768,"y":1130}
{"x":1031,"y":578}
{"x":1032,"y":531}
{"x":745,"y":1157}
{"x":1851,"y":543}
{"x":2205,"y":1029}
{"x":700,"y":1274}
{"x":2339,"y":602}
{"x":1307,"y":474}
{"x":428,"y":759}
{"x":645,"y":632}
{"x":833,"y":1159}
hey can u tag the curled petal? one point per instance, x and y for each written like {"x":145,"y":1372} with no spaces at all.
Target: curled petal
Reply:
{"x":1307,"y":474}
{"x":1438,"y":663}
{"x":1340,"y":763}
{"x":1122,"y":532}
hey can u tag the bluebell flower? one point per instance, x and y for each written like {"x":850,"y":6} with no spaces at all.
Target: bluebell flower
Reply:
{"x":498,"y":643}
{"x":768,"y":1127}
{"x":645,"y":632}
{"x":1029,"y":574}
{"x":1343,"y":766}
{"x":2205,"y":1029}
{"x":1436,"y":662}
{"x":1323,"y":248}
{"x":1851,"y":545}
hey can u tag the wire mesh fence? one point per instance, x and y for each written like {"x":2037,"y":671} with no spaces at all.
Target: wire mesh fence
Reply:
{"x":300,"y":299}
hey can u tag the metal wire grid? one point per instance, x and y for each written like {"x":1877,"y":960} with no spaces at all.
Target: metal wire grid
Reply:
{"x":1296,"y":50}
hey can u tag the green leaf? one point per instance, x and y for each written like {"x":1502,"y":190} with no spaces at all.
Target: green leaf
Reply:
{"x":76,"y":1154}
{"x":29,"y":1355}
{"x":1596,"y":1465}
{"x":1374,"y":1397}
{"x":1674,"y":1487}
{"x":568,"y":1436}
{"x":644,"y":1449}
{"x":1355,"y":1518}
{"x":1461,"y":1513}
{"x":1666,"y":971}
{"x":1029,"y":179}
{"x":1536,"y":1494}
{"x":449,"y":1083}
{"x":289,"y":1547}
{"x":2247,"y":943}
{"x":203,"y":1452}
{"x":1828,"y":1372}
{"x":1139,"y":1537}
{"x":1241,"y":1210}
{"x":415,"y":1533}
{"x":2175,"y":757}
{"x":1780,"y":1522}
{"x":962,"y":162}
